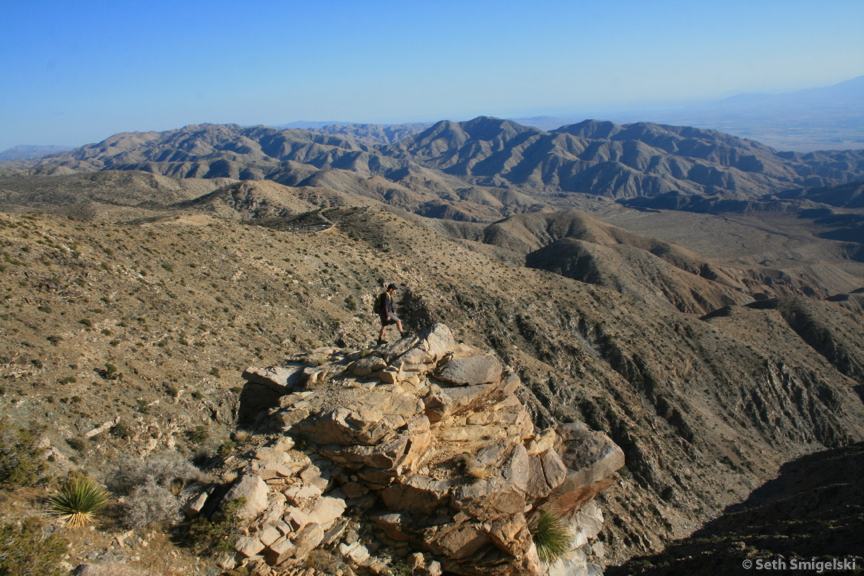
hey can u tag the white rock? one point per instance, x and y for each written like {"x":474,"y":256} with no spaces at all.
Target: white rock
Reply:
{"x":326,"y":511}
{"x":269,"y":534}
{"x":253,"y":490}
{"x":248,"y":546}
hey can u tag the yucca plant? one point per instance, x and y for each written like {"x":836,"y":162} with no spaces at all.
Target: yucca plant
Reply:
{"x":551,"y":536}
{"x":78,"y":501}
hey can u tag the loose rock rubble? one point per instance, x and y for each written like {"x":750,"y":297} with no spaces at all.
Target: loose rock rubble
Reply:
{"x":423,"y":445}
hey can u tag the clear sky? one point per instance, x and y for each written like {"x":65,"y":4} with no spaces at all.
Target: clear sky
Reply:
{"x":76,"y":71}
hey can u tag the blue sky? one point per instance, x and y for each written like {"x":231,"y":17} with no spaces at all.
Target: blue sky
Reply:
{"x":76,"y":71}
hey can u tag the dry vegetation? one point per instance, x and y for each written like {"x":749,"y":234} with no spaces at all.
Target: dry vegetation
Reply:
{"x":124,"y":335}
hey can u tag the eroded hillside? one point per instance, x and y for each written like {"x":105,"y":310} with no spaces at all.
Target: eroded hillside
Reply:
{"x":149,"y":316}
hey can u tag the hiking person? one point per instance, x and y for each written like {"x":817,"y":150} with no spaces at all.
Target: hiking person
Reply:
{"x":386,"y":310}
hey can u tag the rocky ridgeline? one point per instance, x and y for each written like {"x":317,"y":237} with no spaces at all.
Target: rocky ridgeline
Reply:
{"x":419,"y":450}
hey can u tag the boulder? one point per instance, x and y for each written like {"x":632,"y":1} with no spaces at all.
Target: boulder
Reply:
{"x":438,"y":341}
{"x":248,"y":546}
{"x":547,"y":472}
{"x":269,"y":534}
{"x":278,"y":377}
{"x":253,"y":490}
{"x":360,"y":416}
{"x":394,"y":525}
{"x":326,"y":511}
{"x":471,"y":370}
{"x":315,"y":376}
{"x":592,"y":459}
{"x":443,"y":402}
{"x":345,"y":427}
{"x":415,"y":359}
{"x":366,"y":366}
{"x":458,"y":541}
{"x":510,"y":534}
{"x":280,"y":551}
{"x":308,"y":538}
{"x":416,"y":494}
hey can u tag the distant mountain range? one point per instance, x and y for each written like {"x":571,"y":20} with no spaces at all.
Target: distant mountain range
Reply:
{"x":370,"y":133}
{"x":480,"y":169}
{"x":825,"y":118}
{"x":25,"y":152}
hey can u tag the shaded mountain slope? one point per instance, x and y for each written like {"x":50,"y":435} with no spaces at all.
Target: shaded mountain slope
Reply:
{"x":844,"y":196}
{"x":812,"y":510}
{"x":577,"y":245}
{"x":631,"y":270}
{"x":822,"y":325}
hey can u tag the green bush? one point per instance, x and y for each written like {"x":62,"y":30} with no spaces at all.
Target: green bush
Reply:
{"x":551,"y":537}
{"x":21,"y":462}
{"x":78,"y":501}
{"x":25,"y":549}
{"x":216,"y":534}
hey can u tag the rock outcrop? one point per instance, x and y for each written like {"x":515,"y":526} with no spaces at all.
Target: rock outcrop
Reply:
{"x":425,"y":445}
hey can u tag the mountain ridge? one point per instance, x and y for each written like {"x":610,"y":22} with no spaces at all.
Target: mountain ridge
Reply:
{"x":590,"y":157}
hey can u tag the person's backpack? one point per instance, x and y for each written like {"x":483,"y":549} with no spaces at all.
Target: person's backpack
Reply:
{"x":378,"y":306}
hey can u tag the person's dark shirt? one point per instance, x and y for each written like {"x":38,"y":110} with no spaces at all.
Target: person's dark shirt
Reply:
{"x":389,"y":310}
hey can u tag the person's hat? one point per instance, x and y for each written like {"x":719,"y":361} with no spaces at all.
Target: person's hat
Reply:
{"x":391,"y":286}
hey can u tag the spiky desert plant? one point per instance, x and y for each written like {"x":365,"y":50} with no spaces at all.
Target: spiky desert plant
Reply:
{"x":551,"y":536}
{"x":78,"y":501}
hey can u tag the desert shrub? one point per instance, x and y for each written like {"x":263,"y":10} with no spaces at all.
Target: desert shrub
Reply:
{"x":26,"y":550}
{"x":213,"y":535}
{"x":154,"y":488}
{"x":21,"y":462}
{"x":78,"y":443}
{"x":81,"y":211}
{"x":121,"y":430}
{"x":168,"y":469}
{"x":151,"y":505}
{"x":551,"y":536}
{"x":171,"y":389}
{"x":78,"y":501}
{"x":110,"y":372}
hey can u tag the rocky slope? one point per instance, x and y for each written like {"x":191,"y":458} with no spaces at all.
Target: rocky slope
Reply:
{"x":421,"y":444}
{"x":811,"y":512}
{"x":148,"y":311}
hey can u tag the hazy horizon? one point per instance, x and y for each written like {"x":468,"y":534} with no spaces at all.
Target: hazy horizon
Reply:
{"x":78,"y":74}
